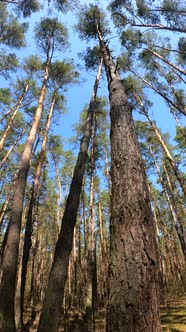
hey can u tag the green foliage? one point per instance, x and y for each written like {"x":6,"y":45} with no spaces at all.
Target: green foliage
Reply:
{"x":27,"y":7}
{"x":12,"y":32}
{"x":182,"y":50}
{"x":181,"y":139}
{"x":131,"y":38}
{"x":31,"y":64}
{"x":51,"y":34}
{"x":8,"y":63}
{"x":5,"y":96}
{"x":144,"y":11}
{"x":91,"y":19}
{"x":91,"y":57}
{"x":65,"y":5}
{"x":55,"y":145}
{"x":62,"y":73}
{"x":172,"y":12}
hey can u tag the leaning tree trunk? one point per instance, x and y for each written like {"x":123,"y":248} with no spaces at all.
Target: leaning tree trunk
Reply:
{"x":133,"y":285}
{"x":34,"y":196}
{"x":11,"y":148}
{"x":9,"y":267}
{"x":177,"y":173}
{"x":50,"y":315}
{"x":10,"y":124}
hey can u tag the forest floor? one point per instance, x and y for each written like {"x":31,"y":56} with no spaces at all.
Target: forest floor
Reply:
{"x":173,"y":319}
{"x":173,"y":315}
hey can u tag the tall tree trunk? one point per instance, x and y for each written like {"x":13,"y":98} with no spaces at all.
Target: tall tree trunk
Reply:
{"x":133,"y":285}
{"x":59,"y":197}
{"x":7,"y":288}
{"x":91,"y":244}
{"x":50,"y":315}
{"x":178,"y":222}
{"x":175,"y":216}
{"x":103,"y":254}
{"x":33,"y":199}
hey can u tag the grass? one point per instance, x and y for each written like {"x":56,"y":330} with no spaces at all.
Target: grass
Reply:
{"x":173,"y":319}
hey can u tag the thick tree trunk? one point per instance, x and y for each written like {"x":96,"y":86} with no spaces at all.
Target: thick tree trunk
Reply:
{"x":7,"y":288}
{"x":51,"y":311}
{"x":133,"y":285}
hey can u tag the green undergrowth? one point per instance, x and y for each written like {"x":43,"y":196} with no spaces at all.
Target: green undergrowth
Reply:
{"x":173,"y":316}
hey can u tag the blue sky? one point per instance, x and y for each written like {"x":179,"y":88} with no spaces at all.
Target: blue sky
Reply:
{"x":79,"y":95}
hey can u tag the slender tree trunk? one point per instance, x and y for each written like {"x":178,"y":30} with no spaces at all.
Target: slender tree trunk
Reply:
{"x":7,"y":288}
{"x":11,"y":148}
{"x":179,"y":69}
{"x":107,"y":172}
{"x":10,"y":124}
{"x":50,"y":315}
{"x":169,"y":101}
{"x":103,"y":254}
{"x":175,"y":217}
{"x":6,"y":203}
{"x":183,"y":131}
{"x":90,"y":305}
{"x":178,"y":222}
{"x":59,"y":198}
{"x":164,"y":146}
{"x":34,"y":197}
{"x":133,"y":285}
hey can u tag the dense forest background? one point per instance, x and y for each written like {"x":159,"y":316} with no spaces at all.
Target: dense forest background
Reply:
{"x":83,"y":230}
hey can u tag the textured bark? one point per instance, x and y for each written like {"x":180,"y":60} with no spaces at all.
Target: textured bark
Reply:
{"x":51,"y":311}
{"x":133,"y":299}
{"x":9,"y":267}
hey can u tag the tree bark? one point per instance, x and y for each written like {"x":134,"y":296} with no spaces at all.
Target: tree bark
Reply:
{"x":91,"y":246}
{"x":34,"y":196}
{"x":133,"y":285}
{"x":50,"y":315}
{"x":9,"y":267}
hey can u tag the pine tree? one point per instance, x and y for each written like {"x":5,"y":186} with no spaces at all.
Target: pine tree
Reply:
{"x":131,"y":217}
